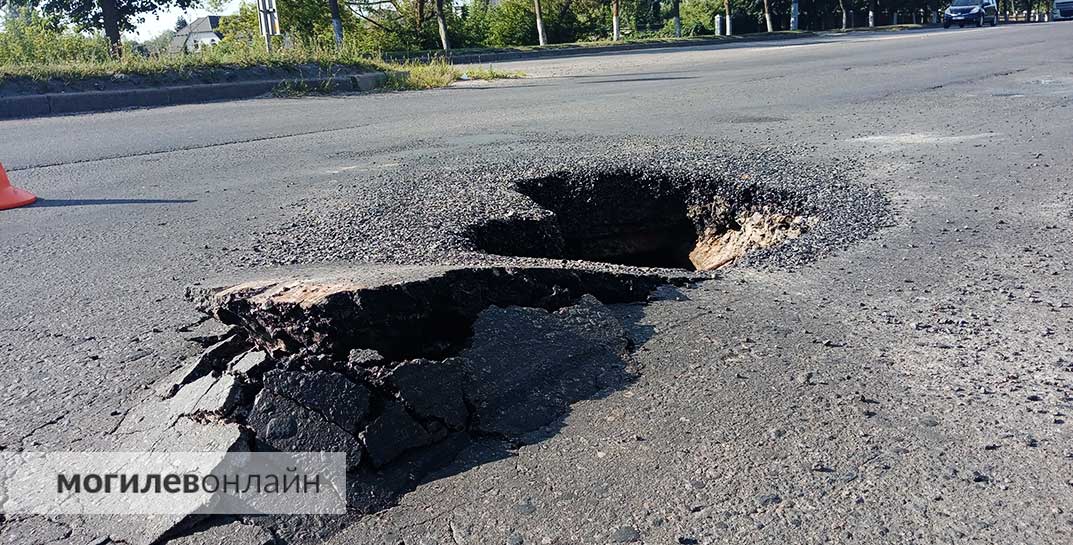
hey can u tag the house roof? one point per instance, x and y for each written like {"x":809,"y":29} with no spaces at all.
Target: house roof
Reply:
{"x":200,"y":25}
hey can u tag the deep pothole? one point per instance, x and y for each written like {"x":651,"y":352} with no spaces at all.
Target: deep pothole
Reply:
{"x":642,"y":220}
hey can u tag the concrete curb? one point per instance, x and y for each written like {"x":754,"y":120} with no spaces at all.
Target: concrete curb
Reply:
{"x":23,"y":106}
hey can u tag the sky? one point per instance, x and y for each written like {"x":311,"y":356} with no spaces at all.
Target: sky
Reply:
{"x":165,"y":20}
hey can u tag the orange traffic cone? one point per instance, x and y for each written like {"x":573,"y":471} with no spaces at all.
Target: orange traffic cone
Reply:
{"x":12,"y":197}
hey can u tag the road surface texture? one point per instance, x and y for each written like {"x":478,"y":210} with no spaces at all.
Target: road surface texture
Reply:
{"x":906,"y":377}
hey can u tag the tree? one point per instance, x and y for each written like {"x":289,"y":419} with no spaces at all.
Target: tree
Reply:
{"x":541,"y":37}
{"x":158,"y":44}
{"x":441,"y":22}
{"x":301,"y":19}
{"x":767,"y":17}
{"x":337,"y":21}
{"x":677,"y":8}
{"x":111,"y":16}
{"x":180,"y":23}
{"x":726,"y":8}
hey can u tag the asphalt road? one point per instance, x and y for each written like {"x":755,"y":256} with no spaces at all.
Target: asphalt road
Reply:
{"x":913,"y":388}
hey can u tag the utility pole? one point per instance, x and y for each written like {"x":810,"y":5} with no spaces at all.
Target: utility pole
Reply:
{"x":726,"y":7}
{"x":615,"y":35}
{"x":541,"y":37}
{"x":337,"y":22}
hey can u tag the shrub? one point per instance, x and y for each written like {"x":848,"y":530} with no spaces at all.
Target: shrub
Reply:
{"x":31,"y":38}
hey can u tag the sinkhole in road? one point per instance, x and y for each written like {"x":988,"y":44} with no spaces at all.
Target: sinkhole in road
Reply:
{"x":640,"y":219}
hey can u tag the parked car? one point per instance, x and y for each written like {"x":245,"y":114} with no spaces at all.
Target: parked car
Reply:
{"x":978,"y":12}
{"x":1063,"y":10}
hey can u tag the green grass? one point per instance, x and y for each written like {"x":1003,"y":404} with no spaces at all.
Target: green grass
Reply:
{"x":438,"y":73}
{"x":410,"y":75}
{"x":415,"y":75}
{"x":300,"y":88}
{"x":489,"y":73}
{"x":222,"y":56}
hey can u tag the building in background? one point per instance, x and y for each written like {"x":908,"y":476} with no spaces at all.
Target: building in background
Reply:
{"x":202,"y":32}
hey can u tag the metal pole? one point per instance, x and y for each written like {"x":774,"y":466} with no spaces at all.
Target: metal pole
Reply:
{"x":615,"y":35}
{"x":678,"y":19}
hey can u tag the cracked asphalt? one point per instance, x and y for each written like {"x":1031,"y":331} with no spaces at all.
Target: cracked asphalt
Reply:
{"x":914,"y":386}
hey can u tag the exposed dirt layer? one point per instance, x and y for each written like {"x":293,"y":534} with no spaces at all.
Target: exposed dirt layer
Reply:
{"x":643,"y":220}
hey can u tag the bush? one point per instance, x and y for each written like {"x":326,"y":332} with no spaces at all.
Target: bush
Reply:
{"x":512,"y":22}
{"x":31,"y":38}
{"x":698,"y":16}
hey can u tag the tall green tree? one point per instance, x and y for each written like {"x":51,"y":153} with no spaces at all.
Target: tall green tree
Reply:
{"x":111,"y":16}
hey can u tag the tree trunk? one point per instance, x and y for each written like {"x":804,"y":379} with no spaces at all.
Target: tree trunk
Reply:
{"x":540,"y":23}
{"x":795,"y":14}
{"x":420,"y":16}
{"x":767,"y":17}
{"x":337,"y":22}
{"x":726,"y":7}
{"x":615,"y":35}
{"x":842,"y":6}
{"x":677,"y":18}
{"x":441,"y":20}
{"x":110,"y":14}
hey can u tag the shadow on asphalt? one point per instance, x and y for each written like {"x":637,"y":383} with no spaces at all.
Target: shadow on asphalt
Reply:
{"x":44,"y":203}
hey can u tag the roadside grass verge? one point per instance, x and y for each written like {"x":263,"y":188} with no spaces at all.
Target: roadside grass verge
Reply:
{"x":234,"y":55}
{"x":438,"y":73}
{"x":418,"y":70}
{"x":325,"y":59}
{"x":489,"y":73}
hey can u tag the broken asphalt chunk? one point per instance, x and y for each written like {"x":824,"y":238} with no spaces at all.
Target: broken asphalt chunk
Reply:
{"x":284,"y":425}
{"x":526,"y":366}
{"x":214,"y":358}
{"x":329,"y":394}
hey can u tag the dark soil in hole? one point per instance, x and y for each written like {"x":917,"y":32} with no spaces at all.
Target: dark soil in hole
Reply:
{"x":638,"y":220}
